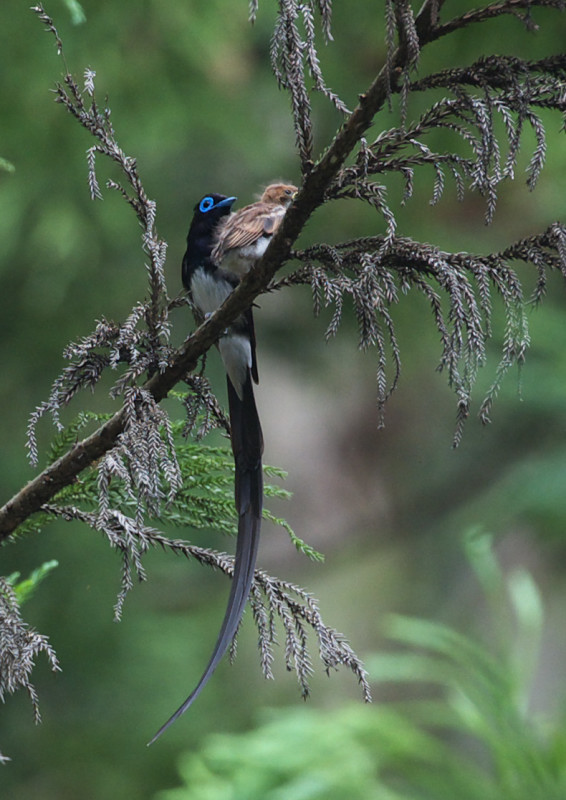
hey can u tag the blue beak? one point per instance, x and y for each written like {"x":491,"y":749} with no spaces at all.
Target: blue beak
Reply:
{"x":226,"y":202}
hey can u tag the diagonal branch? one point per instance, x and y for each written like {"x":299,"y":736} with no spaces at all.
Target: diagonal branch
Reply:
{"x":62,"y":472}
{"x":495,"y":10}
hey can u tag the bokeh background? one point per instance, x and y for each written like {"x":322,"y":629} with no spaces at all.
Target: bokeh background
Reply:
{"x":193,"y":99}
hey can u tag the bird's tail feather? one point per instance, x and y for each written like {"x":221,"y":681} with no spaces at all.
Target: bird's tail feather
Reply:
{"x":247,"y":446}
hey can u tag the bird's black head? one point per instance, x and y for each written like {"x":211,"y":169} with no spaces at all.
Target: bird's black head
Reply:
{"x":212,"y":208}
{"x":207,"y":214}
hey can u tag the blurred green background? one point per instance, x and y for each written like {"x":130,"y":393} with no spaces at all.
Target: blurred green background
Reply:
{"x":193,"y":99}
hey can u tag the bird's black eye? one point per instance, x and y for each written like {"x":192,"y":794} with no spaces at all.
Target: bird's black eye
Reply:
{"x":206,"y":204}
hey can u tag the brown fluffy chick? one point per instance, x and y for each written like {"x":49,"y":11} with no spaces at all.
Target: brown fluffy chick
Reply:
{"x":243,"y":237}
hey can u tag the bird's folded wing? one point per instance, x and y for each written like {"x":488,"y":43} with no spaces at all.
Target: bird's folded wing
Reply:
{"x":246,"y":227}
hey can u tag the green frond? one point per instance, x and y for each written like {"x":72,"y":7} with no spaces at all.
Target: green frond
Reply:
{"x":203,"y":500}
{"x":301,"y":545}
{"x":24,"y":589}
{"x":6,"y":165}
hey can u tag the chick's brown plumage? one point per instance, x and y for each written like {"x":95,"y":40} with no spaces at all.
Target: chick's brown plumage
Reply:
{"x":243,"y":237}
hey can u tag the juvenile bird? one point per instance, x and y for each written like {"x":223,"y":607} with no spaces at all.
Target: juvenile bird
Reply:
{"x":209,"y":285}
{"x":242,"y":238}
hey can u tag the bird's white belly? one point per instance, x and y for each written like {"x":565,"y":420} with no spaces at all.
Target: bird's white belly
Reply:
{"x":208,"y":292}
{"x":236,"y":353}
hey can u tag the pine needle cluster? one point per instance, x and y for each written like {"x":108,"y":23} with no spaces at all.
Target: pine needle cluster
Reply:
{"x":19,"y":647}
{"x":487,"y":107}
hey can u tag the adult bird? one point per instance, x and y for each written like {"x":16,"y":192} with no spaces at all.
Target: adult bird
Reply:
{"x":235,"y":242}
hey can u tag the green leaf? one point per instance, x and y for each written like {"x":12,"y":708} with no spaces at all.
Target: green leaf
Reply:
{"x":7,"y":166}
{"x":25,"y":589}
{"x":301,"y":545}
{"x":78,"y":16}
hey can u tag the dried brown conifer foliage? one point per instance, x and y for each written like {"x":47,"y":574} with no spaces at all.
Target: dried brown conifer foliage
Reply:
{"x":485,"y":105}
{"x":19,"y":647}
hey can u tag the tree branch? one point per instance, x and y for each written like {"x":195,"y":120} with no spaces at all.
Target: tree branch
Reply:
{"x":494,"y":10}
{"x":61,"y":473}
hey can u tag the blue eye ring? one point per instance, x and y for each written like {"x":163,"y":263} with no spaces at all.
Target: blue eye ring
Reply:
{"x":206,"y":204}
